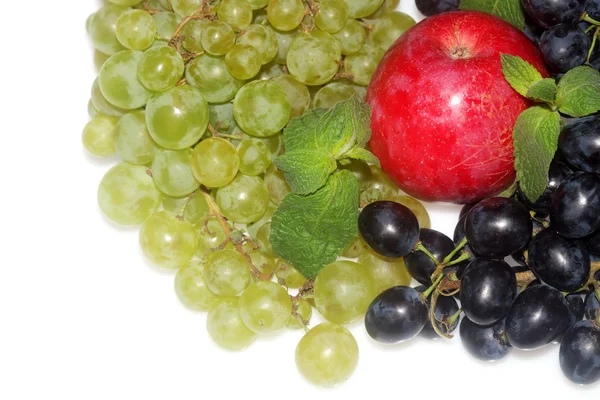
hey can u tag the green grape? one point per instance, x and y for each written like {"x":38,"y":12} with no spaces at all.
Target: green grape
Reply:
{"x":290,"y":276}
{"x":285,"y":15}
{"x":99,"y":60}
{"x":313,"y":58}
{"x":136,"y":29}
{"x":226,"y":328}
{"x":262,"y":238}
{"x":261,"y":108}
{"x":389,"y":28}
{"x":258,"y":4}
{"x":362,"y":64}
{"x":343,"y":291}
{"x":277,"y":186}
{"x":125,"y":2}
{"x":352,"y":37}
{"x":243,"y":61}
{"x":244,"y":199}
{"x":255,"y":157}
{"x":192,"y":34}
{"x":211,"y":235}
{"x":265,"y":263}
{"x":99,"y":136}
{"x":177,"y":118}
{"x":297,"y":94}
{"x":166,"y":24}
{"x":361,"y":91}
{"x":92,"y":110}
{"x":221,"y":118}
{"x":303,"y":310}
{"x":172,"y":172}
{"x":362,"y":8}
{"x":254,"y":227}
{"x":127,"y":194}
{"x":215,"y":162}
{"x":263,"y":39}
{"x":190,"y":288}
{"x":195,"y":208}
{"x":273,"y":143}
{"x":160,"y":68}
{"x":361,"y":171}
{"x":416,"y":207}
{"x":226,"y":272}
{"x":386,"y":6}
{"x":168,"y":241}
{"x":186,"y":7}
{"x":103,"y":27}
{"x":327,"y":354}
{"x":332,"y":93}
{"x":132,"y":140}
{"x":236,"y":13}
{"x":210,"y":75}
{"x":265,"y":307}
{"x":102,"y":105}
{"x":355,"y":248}
{"x":118,"y":81}
{"x":269,"y":71}
{"x":381,"y":187}
{"x":217,"y":38}
{"x":332,"y":15}
{"x":385,"y":272}
{"x":284,"y":39}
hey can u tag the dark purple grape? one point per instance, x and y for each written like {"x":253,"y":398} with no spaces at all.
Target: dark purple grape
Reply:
{"x":557,"y":172}
{"x":560,"y":262}
{"x":592,"y":242}
{"x":592,"y":306}
{"x":576,"y":306}
{"x":532,"y":30}
{"x":538,"y":315}
{"x":487,"y":289}
{"x":459,"y":235}
{"x":485,"y":343}
{"x":547,"y":13}
{"x":389,"y":228}
{"x":564,"y":46}
{"x":433,"y":7}
{"x":579,"y":143}
{"x":576,"y":205}
{"x":497,"y":227}
{"x":593,"y":8}
{"x":445,"y":307}
{"x":419,"y":265}
{"x":579,"y":354}
{"x":396,"y":314}
{"x":465,"y":209}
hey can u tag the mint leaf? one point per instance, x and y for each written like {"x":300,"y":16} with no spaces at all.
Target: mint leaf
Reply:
{"x":543,"y":91}
{"x":508,"y":10}
{"x":535,"y":137}
{"x":509,"y":191}
{"x":306,"y":170}
{"x":578,"y":92}
{"x":299,"y":133}
{"x":311,"y":231}
{"x":519,"y":73}
{"x":359,"y":153}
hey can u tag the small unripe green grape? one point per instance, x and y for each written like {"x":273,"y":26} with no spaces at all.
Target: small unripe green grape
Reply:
{"x":118,"y":81}
{"x":416,"y":207}
{"x":136,"y":29}
{"x":160,"y":68}
{"x":244,"y":199}
{"x":127,"y":194}
{"x":285,"y":15}
{"x":343,"y":291}
{"x":226,"y":328}
{"x":215,"y":162}
{"x":210,"y":76}
{"x":195,"y":208}
{"x":291,"y":276}
{"x":362,"y":64}
{"x":327,"y":354}
{"x":263,"y":39}
{"x":99,"y":136}
{"x":166,"y":24}
{"x":362,"y":8}
{"x":192,"y":33}
{"x":217,"y":38}
{"x":304,"y":311}
{"x":313,"y":58}
{"x":297,"y":94}
{"x":103,"y":27}
{"x":226,"y":272}
{"x":261,"y":108}
{"x":132,"y":140}
{"x":177,"y":118}
{"x":265,"y":263}
{"x":211,"y":235}
{"x":125,"y":2}
{"x":355,"y":248}
{"x":92,"y":110}
{"x":243,"y":61}
{"x":385,"y":272}
{"x":389,"y":28}
{"x":186,"y":7}
{"x":258,"y":4}
{"x":362,"y":172}
{"x":277,"y":185}
{"x":332,"y":93}
{"x":191,"y":290}
{"x":352,"y":37}
{"x":284,"y":39}
{"x":172,"y":172}
{"x":332,"y":15}
{"x":255,"y":157}
{"x":236,"y":13}
{"x":265,"y":307}
{"x":102,"y":105}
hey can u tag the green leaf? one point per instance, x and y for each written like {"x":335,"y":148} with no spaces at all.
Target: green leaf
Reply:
{"x":306,"y":170}
{"x":519,"y":73}
{"x":509,"y":10}
{"x":509,"y":191}
{"x":544,"y":90}
{"x":311,"y":231}
{"x":358,"y":153}
{"x":578,"y":92}
{"x":300,"y":132}
{"x":535,"y":137}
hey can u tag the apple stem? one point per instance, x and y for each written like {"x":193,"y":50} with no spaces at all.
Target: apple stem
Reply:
{"x":594,"y":38}
{"x":422,"y":248}
{"x":462,"y":244}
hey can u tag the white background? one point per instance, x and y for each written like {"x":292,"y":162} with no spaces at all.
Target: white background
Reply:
{"x":83,"y":316}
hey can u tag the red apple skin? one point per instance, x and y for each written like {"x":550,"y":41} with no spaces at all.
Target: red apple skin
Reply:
{"x":442,"y":112}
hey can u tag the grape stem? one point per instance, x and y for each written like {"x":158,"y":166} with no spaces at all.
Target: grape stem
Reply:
{"x":422,"y":248}
{"x":465,"y":255}
{"x":312,"y":7}
{"x":431,"y":288}
{"x":594,"y":38}
{"x":452,"y":319}
{"x":595,"y":267}
{"x":586,"y":17}
{"x":460,"y":245}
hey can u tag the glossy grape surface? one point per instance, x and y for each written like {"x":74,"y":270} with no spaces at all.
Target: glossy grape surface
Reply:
{"x":265,"y":307}
{"x":564,"y":47}
{"x":136,"y":29}
{"x":118,"y":81}
{"x":420,"y":265}
{"x":226,"y":328}
{"x":313,"y":58}
{"x":215,"y":162}
{"x":244,"y":199}
{"x":577,"y":198}
{"x":172,"y":172}
{"x":210,"y":76}
{"x":226,"y":272}
{"x":132,"y":140}
{"x":99,"y":136}
{"x":261,"y":108}
{"x":160,"y":68}
{"x":549,"y":13}
{"x":486,"y":343}
{"x":579,"y":143}
{"x":579,"y":354}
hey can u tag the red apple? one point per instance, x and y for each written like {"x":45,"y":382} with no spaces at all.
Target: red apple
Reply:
{"x":442,"y":112}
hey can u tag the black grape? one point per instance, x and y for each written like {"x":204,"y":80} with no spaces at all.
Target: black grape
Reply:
{"x":592,"y":306}
{"x":579,"y":354}
{"x":419,"y":265}
{"x":432,"y":7}
{"x":592,"y":242}
{"x":579,"y":143}
{"x":593,"y":8}
{"x":564,"y":46}
{"x":485,"y":343}
{"x":557,"y":172}
{"x":445,"y":307}
{"x":532,"y":30}
{"x":548,"y":13}
{"x":576,"y":306}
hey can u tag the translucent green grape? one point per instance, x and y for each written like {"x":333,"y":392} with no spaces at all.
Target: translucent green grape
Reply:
{"x":237,"y":13}
{"x":166,"y":24}
{"x":362,"y":8}
{"x":355,"y":248}
{"x":132,"y":140}
{"x":261,"y":108}
{"x":258,"y":4}
{"x":327,"y":354}
{"x":226,"y":328}
{"x":244,"y":199}
{"x":190,"y":288}
{"x":92,"y":110}
{"x":291,"y":276}
{"x":416,"y":207}
{"x":172,"y":172}
{"x":118,"y":81}
{"x":192,"y":34}
{"x":284,"y":39}
{"x":277,"y":186}
{"x":217,"y":38}
{"x":274,"y":144}
{"x":303,"y":310}
{"x":362,"y":64}
{"x":255,"y":157}
{"x":332,"y":15}
{"x":297,"y":94}
{"x":265,"y":307}
{"x":332,"y":93}
{"x":211,"y":235}
{"x":127,"y":194}
{"x":263,"y":39}
{"x":186,"y":7}
{"x":254,"y":227}
{"x":313,"y":58}
{"x":210,"y":75}
{"x":352,"y":37}
{"x":343,"y":291}
{"x":215,"y":162}
{"x":387,"y":6}
{"x":380,"y":187}
{"x":103,"y":29}
{"x":160,"y":68}
{"x":102,"y":105}
{"x":136,"y":29}
{"x":385,"y":272}
{"x":262,"y":238}
{"x":243,"y":61}
{"x":177,"y":118}
{"x":99,"y":136}
{"x":269,"y":71}
{"x":265,"y":263}
{"x":285,"y":15}
{"x":226,"y":272}
{"x":99,"y":60}
{"x":221,"y":118}
{"x":389,"y":28}
{"x":362,"y":172}
{"x":195,"y":209}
